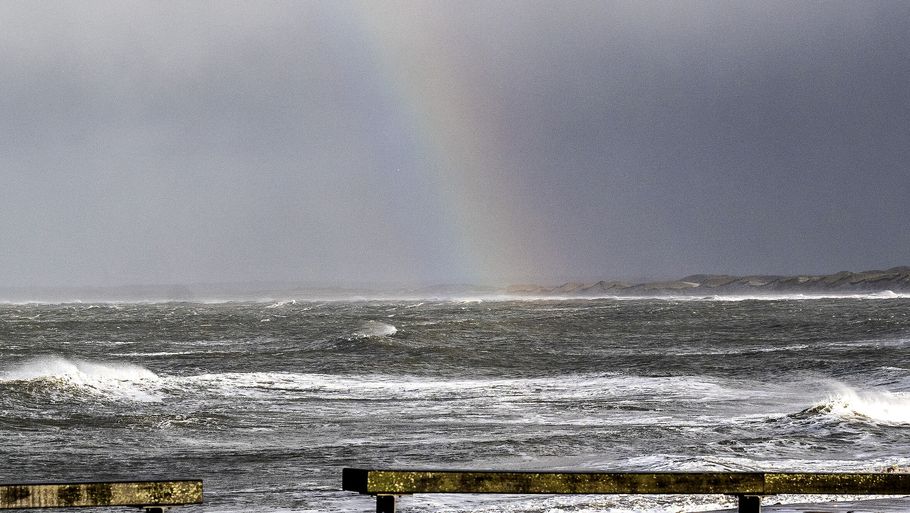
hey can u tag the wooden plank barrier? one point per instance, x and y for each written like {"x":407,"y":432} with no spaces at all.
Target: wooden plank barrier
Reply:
{"x":154,"y":496}
{"x":749,"y":487}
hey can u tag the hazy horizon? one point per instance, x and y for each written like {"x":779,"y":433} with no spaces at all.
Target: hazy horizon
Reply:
{"x":266,"y":291}
{"x":419,"y":143}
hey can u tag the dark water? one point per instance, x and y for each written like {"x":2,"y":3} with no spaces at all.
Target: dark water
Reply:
{"x":268,"y":401}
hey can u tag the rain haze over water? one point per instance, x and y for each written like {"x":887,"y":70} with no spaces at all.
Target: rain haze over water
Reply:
{"x":450,"y":142}
{"x":171,"y":171}
{"x":268,"y":401}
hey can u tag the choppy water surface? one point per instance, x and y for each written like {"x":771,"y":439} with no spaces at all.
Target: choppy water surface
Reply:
{"x":268,"y":401}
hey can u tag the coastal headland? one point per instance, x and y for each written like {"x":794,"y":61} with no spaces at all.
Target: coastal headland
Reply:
{"x":895,"y":279}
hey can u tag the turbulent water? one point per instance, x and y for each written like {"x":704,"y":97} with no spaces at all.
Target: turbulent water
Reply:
{"x":268,"y":401}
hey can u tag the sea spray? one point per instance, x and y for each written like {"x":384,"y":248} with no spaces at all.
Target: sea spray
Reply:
{"x":122,"y":381}
{"x":881,"y":407}
{"x":267,"y":413}
{"x":375,"y":329}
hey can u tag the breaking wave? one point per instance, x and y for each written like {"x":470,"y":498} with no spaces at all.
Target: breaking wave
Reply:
{"x":123,"y":381}
{"x":280,"y":304}
{"x":870,"y":406}
{"x":375,"y":329}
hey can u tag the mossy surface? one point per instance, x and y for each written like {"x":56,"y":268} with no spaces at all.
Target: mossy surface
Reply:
{"x":142,"y":493}
{"x":730,"y":483}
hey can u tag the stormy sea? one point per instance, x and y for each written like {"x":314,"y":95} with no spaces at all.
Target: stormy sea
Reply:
{"x":268,"y":400}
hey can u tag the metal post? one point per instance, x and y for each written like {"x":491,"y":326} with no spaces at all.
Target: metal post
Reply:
{"x":385,"y":504}
{"x":749,"y":504}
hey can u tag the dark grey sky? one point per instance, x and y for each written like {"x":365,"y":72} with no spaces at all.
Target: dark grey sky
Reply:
{"x":429,"y":141}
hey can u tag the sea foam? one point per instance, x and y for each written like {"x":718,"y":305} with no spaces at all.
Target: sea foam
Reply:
{"x":371,"y":329}
{"x":280,"y":304}
{"x":875,"y":406}
{"x":123,"y":381}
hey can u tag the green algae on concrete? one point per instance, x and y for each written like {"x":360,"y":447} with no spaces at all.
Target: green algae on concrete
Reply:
{"x":837,"y":483}
{"x":136,"y":493}
{"x":403,"y":482}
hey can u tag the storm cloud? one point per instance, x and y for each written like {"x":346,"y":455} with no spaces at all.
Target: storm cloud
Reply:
{"x":422,"y":142}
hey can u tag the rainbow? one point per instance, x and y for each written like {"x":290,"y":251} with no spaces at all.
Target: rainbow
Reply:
{"x":488,"y":214}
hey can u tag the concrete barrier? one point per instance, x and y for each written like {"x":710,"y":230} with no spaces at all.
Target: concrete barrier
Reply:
{"x":748,"y":487}
{"x":154,"y":496}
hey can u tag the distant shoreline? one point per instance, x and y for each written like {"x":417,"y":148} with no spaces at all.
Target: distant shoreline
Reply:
{"x":896,"y":280}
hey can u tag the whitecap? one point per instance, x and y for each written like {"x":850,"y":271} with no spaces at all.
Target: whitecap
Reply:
{"x":881,"y":407}
{"x":280,"y":304}
{"x":614,"y":389}
{"x":122,"y":381}
{"x":375,"y":329}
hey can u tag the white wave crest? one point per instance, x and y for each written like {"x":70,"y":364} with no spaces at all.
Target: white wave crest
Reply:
{"x":880,"y":407}
{"x":613,"y":389}
{"x":371,"y":329}
{"x":280,"y":304}
{"x":123,"y":381}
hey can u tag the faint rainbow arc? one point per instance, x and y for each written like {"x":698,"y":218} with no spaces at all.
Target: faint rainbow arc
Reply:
{"x":484,"y":212}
